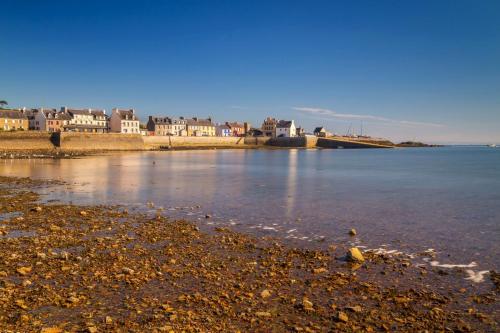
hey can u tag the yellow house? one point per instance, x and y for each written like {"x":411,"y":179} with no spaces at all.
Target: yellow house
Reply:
{"x":13,"y":120}
{"x":200,"y":127}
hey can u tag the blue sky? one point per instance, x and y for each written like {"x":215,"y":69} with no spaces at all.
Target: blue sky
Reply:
{"x":425,"y":70}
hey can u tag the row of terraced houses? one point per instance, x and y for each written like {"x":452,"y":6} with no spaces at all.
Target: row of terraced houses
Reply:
{"x":126,"y":121}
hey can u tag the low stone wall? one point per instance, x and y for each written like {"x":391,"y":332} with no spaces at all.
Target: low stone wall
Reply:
{"x":333,"y":143}
{"x":72,"y":141}
{"x":257,"y":141}
{"x":26,"y":141}
{"x":299,"y":142}
{"x":157,"y":142}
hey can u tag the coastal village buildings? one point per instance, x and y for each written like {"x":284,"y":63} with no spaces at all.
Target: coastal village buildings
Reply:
{"x":57,"y":121}
{"x":321,"y":132}
{"x":86,"y":120}
{"x":124,"y":121}
{"x":11,"y":120}
{"x":223,"y":130}
{"x":237,"y":129}
{"x":38,"y":118}
{"x":200,"y":127}
{"x":286,"y":129}
{"x":167,"y":126}
{"x":269,"y":127}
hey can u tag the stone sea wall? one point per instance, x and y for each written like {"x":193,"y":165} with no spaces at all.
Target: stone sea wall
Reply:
{"x":73,"y":141}
{"x":81,"y":142}
{"x":297,"y":142}
{"x":26,"y":141}
{"x":158,"y":142}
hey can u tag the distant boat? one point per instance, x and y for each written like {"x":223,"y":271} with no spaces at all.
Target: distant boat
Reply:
{"x":492,"y":145}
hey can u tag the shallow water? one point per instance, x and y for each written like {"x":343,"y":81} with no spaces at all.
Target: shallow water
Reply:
{"x":402,"y":200}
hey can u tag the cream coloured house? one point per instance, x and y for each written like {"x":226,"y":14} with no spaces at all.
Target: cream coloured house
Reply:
{"x":124,"y":121}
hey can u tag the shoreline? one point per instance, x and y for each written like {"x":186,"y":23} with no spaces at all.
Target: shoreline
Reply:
{"x":73,"y":268}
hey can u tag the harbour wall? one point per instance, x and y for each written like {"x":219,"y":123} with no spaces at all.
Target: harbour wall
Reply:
{"x":26,"y":141}
{"x":165,"y":142}
{"x":295,"y":142}
{"x":73,"y":141}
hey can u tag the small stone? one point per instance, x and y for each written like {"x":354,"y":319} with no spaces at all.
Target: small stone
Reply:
{"x":355,"y":308}
{"x":262,"y":314}
{"x":265,"y":293}
{"x":208,"y":216}
{"x":83,"y":213}
{"x":73,"y":299}
{"x":352,"y":232}
{"x":26,"y":283}
{"x":36,"y":209}
{"x":108,"y":320}
{"x":319,"y":270}
{"x":127,"y":270}
{"x":354,"y":254}
{"x":24,"y":270}
{"x":92,"y":329}
{"x":51,"y":330}
{"x":20,"y":303}
{"x":307,"y":304}
{"x":54,"y":228}
{"x":341,"y":316}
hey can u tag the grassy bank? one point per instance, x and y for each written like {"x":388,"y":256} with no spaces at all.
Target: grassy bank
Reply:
{"x":99,"y":268}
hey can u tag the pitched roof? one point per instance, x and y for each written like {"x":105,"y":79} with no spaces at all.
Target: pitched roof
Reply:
{"x":79,"y":111}
{"x":284,"y":124}
{"x":235,"y":124}
{"x":98,"y":113}
{"x":12,"y":114}
{"x":199,"y":122}
{"x":62,"y":116}
{"x":126,"y":114}
{"x":319,"y":129}
{"x":167,"y":120}
{"x":224,"y":126}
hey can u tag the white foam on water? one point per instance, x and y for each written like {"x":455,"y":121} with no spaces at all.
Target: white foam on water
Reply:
{"x":476,"y":277}
{"x":269,"y":228}
{"x":291,"y":230}
{"x":435,"y":263}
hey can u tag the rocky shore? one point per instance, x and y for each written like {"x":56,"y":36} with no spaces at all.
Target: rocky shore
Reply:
{"x":50,"y":154}
{"x":69,"y":268}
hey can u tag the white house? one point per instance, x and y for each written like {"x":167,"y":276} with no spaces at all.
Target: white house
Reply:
{"x":124,"y":121}
{"x":286,"y":128}
{"x":38,"y":119}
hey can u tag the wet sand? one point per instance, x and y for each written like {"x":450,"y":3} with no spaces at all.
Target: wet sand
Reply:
{"x":101,"y":268}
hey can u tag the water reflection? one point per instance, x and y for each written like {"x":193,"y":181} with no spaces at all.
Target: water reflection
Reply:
{"x":419,"y":198}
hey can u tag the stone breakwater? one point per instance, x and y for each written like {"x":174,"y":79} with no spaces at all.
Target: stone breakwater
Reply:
{"x":69,"y":268}
{"x":58,"y":144}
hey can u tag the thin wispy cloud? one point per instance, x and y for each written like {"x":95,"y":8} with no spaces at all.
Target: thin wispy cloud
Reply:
{"x":333,"y":114}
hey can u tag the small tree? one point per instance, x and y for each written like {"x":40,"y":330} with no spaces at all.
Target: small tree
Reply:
{"x":3,"y":103}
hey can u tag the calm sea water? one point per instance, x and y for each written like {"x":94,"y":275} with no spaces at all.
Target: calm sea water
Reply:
{"x":405,"y":200}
